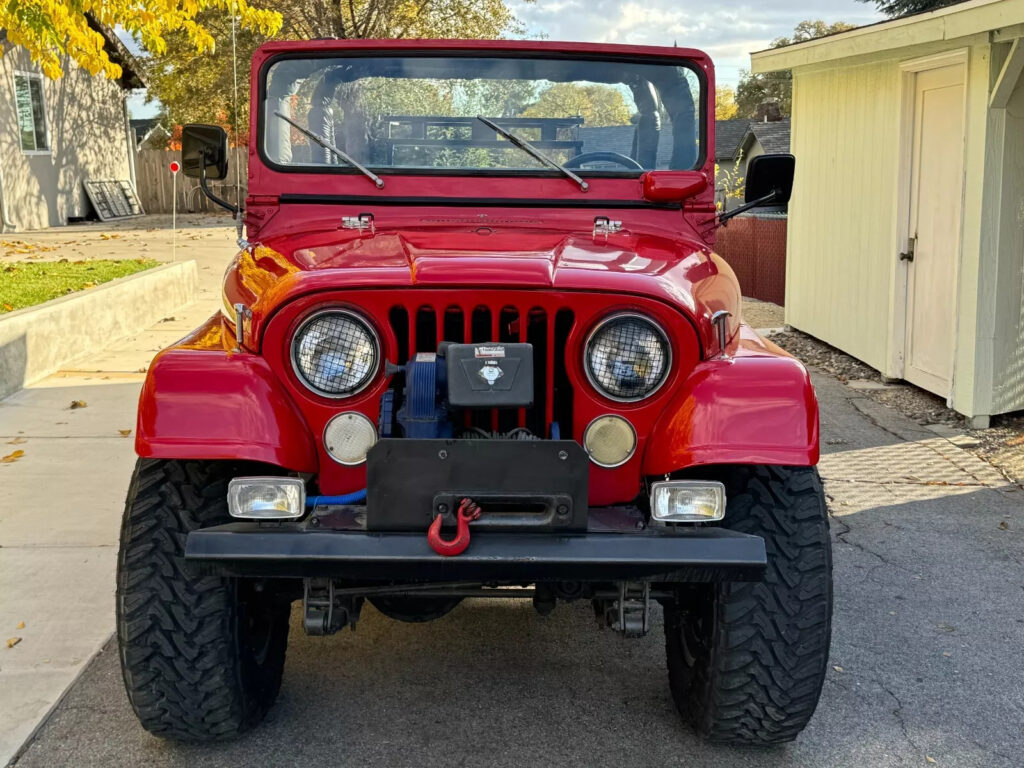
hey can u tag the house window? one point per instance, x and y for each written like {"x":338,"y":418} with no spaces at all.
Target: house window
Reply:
{"x":28,"y":95}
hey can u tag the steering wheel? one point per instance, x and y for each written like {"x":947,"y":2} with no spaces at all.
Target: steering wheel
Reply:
{"x":604,"y":157}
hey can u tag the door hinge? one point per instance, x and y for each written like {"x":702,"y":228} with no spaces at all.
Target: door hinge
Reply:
{"x":908,"y":255}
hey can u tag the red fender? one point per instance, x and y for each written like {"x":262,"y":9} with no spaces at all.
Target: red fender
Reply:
{"x":206,"y":402}
{"x":756,"y":407}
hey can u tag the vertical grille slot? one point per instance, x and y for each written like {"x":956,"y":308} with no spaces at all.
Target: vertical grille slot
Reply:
{"x":425,"y":332}
{"x":558,"y":373}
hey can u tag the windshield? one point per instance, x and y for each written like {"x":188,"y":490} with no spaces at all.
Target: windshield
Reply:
{"x":422,"y":113}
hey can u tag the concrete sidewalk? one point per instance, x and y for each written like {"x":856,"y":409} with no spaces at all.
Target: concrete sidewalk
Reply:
{"x":61,"y":500}
{"x":60,"y":512}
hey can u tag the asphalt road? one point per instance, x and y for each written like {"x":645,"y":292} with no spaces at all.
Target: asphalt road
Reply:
{"x":928,"y":633}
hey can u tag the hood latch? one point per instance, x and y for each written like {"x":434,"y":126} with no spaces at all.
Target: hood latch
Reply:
{"x":603,"y":226}
{"x":362,"y":222}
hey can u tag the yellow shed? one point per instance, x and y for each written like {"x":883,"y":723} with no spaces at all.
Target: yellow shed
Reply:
{"x":906,"y":229}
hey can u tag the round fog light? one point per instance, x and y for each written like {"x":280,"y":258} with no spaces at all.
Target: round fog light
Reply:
{"x":348,"y":437}
{"x":609,"y":441}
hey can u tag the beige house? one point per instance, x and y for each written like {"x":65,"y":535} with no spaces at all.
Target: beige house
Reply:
{"x":55,"y":134}
{"x":906,"y":230}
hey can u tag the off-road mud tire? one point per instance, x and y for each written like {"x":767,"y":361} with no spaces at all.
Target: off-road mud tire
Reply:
{"x":747,"y":661}
{"x":201,"y":655}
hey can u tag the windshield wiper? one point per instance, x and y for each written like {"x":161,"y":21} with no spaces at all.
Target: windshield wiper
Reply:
{"x":337,"y":152}
{"x":531,"y":150}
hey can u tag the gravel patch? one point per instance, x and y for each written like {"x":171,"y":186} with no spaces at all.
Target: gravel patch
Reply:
{"x":763,"y":314}
{"x":1002,"y":445}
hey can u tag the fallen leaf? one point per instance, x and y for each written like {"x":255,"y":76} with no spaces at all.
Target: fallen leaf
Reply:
{"x":1016,"y":441}
{"x":17,"y":441}
{"x":12,"y":457}
{"x":1004,"y":526}
{"x":21,"y":625}
{"x":947,"y":654}
{"x":77,"y":404}
{"x":13,"y":641}
{"x":929,"y":758}
{"x":8,"y":307}
{"x":88,"y":285}
{"x":838,"y":669}
{"x":124,"y":432}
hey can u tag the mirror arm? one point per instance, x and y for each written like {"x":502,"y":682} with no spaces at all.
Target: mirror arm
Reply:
{"x":206,"y":191}
{"x":723,"y":218}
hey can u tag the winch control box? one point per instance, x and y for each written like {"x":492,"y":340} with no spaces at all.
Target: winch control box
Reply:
{"x":492,"y":375}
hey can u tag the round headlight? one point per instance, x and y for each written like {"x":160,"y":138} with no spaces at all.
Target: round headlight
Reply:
{"x":627,"y":357}
{"x":335,"y":353}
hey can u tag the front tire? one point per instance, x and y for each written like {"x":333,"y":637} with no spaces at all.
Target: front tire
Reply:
{"x":747,"y":661}
{"x":201,"y":656}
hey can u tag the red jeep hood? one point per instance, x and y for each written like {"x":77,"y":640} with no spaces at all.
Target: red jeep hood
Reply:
{"x":680,"y":272}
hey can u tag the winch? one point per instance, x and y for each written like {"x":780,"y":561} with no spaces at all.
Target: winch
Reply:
{"x":458,"y":377}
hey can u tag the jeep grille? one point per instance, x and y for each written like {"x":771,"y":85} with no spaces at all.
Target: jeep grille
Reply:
{"x":423,"y":328}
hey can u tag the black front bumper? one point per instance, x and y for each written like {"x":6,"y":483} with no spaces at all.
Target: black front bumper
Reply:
{"x":299,"y":550}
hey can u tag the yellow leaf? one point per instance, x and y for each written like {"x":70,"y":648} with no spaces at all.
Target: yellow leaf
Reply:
{"x":13,"y":641}
{"x":77,"y":404}
{"x":124,"y":432}
{"x":21,"y":625}
{"x":10,"y":458}
{"x":17,"y":441}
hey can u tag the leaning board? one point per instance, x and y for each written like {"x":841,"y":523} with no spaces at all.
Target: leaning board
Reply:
{"x":113,"y":199}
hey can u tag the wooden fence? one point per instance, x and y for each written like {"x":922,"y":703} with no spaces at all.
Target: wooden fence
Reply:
{"x":153,"y":175}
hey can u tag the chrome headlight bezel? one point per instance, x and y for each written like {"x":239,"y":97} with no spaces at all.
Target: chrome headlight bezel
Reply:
{"x":354,"y":317}
{"x":659,"y":332}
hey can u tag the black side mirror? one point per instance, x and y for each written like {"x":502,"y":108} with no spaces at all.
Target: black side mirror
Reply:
{"x":769,"y":182}
{"x":770,"y":175}
{"x":204,"y":156}
{"x":204,"y":148}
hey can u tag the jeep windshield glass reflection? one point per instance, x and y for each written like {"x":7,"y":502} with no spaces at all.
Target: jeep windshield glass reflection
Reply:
{"x":418,"y":113}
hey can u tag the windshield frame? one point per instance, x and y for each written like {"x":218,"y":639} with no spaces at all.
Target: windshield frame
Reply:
{"x":480,"y":52}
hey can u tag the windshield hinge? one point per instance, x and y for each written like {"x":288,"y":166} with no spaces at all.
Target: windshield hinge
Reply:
{"x":603,"y":226}
{"x":362,"y":222}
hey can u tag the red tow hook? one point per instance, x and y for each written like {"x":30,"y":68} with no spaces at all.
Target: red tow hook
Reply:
{"x":468,"y":512}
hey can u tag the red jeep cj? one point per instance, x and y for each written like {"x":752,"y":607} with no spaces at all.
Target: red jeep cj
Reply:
{"x":476,"y":343}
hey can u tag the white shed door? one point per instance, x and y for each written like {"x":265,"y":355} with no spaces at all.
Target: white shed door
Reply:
{"x":936,"y":204}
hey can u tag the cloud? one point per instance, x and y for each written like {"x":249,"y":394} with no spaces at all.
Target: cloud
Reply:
{"x":728,"y":30}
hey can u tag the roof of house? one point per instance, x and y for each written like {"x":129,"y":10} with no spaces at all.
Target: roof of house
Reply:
{"x":950,"y":22}
{"x":773,"y":137}
{"x":728,"y":137}
{"x":132,"y":74}
{"x":144,"y":127}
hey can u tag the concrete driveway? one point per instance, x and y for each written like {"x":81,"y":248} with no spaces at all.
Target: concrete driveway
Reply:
{"x":925,"y":669}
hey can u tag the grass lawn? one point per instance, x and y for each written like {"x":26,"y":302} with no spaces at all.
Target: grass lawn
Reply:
{"x":23,"y":284}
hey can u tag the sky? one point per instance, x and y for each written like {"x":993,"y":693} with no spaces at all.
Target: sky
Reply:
{"x":728,"y":30}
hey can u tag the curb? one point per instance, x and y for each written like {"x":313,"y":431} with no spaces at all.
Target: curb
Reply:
{"x":37,"y":341}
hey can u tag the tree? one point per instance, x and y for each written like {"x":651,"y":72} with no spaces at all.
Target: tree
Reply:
{"x":51,"y":31}
{"x":204,"y":93}
{"x":908,"y":7}
{"x":754,"y":90}
{"x":598,"y":105}
{"x":726,"y":107}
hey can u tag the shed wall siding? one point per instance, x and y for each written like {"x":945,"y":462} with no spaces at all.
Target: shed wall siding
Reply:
{"x":1008,"y":288}
{"x":842,"y":216}
{"x":88,"y":140}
